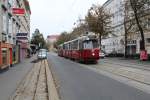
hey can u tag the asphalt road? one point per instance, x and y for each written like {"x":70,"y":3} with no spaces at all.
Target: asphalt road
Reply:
{"x":79,"y":83}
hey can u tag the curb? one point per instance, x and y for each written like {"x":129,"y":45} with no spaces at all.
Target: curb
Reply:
{"x":53,"y":94}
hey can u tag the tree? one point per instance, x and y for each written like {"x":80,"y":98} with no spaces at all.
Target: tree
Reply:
{"x":38,"y":39}
{"x":81,"y":29}
{"x":139,"y":8}
{"x":128,"y":23}
{"x":99,"y":20}
{"x":64,"y":37}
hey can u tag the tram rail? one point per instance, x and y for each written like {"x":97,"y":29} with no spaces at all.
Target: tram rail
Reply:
{"x":37,"y":85}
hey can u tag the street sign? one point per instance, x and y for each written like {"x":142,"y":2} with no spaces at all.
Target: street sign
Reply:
{"x":18,"y":11}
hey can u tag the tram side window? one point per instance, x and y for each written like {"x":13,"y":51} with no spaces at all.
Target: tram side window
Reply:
{"x":75,"y":45}
{"x":63,"y":46}
{"x":69,"y":46}
{"x":66,"y":46}
{"x":80,"y":45}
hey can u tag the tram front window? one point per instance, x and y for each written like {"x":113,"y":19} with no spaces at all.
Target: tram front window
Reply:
{"x":90,"y":44}
{"x":95,"y":44}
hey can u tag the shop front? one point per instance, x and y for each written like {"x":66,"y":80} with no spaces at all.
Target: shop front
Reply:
{"x":131,"y":47}
{"x":22,"y":51}
{"x":22,"y":42}
{"x":5,"y":55}
{"x":16,"y":54}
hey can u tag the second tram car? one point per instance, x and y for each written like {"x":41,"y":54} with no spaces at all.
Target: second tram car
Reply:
{"x":84,"y":48}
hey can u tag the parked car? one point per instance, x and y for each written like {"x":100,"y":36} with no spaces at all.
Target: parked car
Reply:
{"x":42,"y":54}
{"x":102,"y":54}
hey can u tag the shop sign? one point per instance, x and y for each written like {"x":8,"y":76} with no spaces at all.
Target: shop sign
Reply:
{"x":143,"y":55}
{"x":131,"y":42}
{"x":18,"y":11}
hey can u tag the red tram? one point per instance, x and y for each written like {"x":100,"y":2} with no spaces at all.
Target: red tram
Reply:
{"x":83,"y":49}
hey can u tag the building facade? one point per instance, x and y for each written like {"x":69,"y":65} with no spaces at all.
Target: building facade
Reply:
{"x":50,"y":40}
{"x":5,"y":34}
{"x":118,"y":37}
{"x":23,"y":32}
{"x":10,"y":26}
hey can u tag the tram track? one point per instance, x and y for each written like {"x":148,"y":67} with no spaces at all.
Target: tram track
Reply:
{"x":37,"y":85}
{"x":125,"y":64}
{"x":131,"y":72}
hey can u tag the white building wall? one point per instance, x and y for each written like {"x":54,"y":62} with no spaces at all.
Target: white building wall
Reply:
{"x":114,"y":43}
{"x":21,"y":24}
{"x":114,"y":7}
{"x":0,"y":22}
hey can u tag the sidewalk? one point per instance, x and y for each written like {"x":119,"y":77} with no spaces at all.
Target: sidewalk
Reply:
{"x":10,"y":79}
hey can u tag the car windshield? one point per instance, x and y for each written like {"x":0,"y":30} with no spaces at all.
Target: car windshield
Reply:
{"x":42,"y":51}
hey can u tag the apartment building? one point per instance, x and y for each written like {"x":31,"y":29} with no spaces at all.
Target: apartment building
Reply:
{"x":22,"y":31}
{"x":114,"y":43}
{"x":5,"y":34}
{"x":11,"y":44}
{"x":50,"y":40}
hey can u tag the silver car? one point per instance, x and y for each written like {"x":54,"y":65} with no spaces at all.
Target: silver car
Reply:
{"x":42,"y":54}
{"x":102,"y":55}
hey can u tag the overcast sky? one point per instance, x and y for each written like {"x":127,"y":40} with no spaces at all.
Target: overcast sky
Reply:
{"x":56,"y":16}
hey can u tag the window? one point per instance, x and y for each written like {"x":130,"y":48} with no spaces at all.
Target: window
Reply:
{"x":75,"y":44}
{"x":10,"y":25}
{"x":10,"y":2}
{"x":4,"y":22}
{"x":90,"y":44}
{"x":4,"y":56}
{"x":148,"y":40}
{"x":14,"y":28}
{"x":95,"y":43}
{"x":149,"y":23}
{"x":80,"y":45}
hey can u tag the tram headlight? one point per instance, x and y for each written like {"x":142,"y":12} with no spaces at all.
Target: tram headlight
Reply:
{"x":93,"y":54}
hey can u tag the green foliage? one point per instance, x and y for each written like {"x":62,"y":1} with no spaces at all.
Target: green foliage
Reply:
{"x":38,"y":39}
{"x":77,"y":31}
{"x":99,"y":21}
{"x":140,"y":8}
{"x":62,"y":38}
